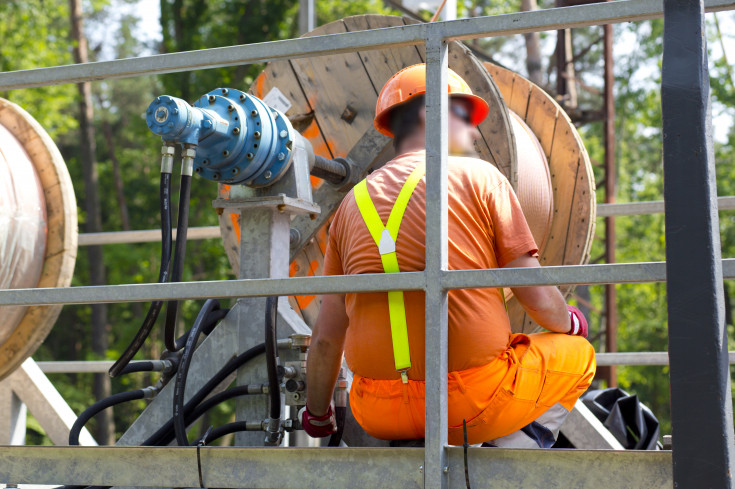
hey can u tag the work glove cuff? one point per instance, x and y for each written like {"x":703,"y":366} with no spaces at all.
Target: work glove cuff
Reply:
{"x":579,"y":325}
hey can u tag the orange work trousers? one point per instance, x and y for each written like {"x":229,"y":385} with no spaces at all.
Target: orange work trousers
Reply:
{"x":534,"y":373}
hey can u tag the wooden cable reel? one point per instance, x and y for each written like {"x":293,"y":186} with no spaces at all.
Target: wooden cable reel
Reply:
{"x":333,"y":104}
{"x":38,"y":230}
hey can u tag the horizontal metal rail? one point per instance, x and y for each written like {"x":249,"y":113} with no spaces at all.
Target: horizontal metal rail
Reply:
{"x":650,"y":207}
{"x":497,"y":25}
{"x":603,"y":359}
{"x":329,"y":468}
{"x":210,"y":232}
{"x":380,"y":282}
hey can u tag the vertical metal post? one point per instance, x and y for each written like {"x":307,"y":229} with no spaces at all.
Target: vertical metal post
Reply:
{"x":611,"y":307}
{"x":13,"y":425}
{"x":450,"y":10}
{"x":701,"y":403}
{"x":436,"y":259}
{"x":264,"y":249}
{"x":307,"y":16}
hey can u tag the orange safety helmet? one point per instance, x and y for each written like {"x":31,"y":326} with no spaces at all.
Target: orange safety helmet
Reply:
{"x":411,"y":82}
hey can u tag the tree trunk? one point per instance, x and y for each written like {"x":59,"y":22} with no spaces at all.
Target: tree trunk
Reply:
{"x":533,"y":50}
{"x":105,"y":424}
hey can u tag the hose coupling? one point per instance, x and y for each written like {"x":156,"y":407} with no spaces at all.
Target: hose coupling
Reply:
{"x":273,"y":432}
{"x":167,"y":158}
{"x":150,"y":392}
{"x":187,"y":160}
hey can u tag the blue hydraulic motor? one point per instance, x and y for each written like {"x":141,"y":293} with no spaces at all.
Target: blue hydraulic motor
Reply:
{"x":239,"y":139}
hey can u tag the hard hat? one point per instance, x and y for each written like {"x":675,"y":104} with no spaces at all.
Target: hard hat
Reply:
{"x":411,"y":82}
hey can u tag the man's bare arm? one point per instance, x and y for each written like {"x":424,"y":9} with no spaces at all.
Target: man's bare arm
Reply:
{"x":325,"y":353}
{"x":544,"y":304}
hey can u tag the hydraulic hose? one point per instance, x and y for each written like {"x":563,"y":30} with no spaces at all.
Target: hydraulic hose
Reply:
{"x":183,"y":370}
{"x":209,"y":323}
{"x":164,"y":434}
{"x":273,"y":432}
{"x":146,"y":366}
{"x":341,"y":414}
{"x":100,"y":406}
{"x":226,"y":429}
{"x":177,"y":270}
{"x":155,"y":307}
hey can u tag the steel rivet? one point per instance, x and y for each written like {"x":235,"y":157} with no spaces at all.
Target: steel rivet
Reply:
{"x":249,"y":156}
{"x":212,"y":98}
{"x":225,"y":153}
{"x":225,"y":91}
{"x":253,"y":112}
{"x":256,"y":134}
{"x":242,"y":96}
{"x":230,"y":107}
{"x":281,"y":156}
{"x":236,"y":131}
{"x":234,"y":171}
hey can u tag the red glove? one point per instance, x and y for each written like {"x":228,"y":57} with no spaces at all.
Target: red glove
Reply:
{"x":318,"y":426}
{"x":579,"y":323}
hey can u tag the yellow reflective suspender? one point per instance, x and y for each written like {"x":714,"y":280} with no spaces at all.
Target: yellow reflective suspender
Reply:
{"x":385,"y":238}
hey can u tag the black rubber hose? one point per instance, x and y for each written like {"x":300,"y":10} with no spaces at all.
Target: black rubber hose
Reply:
{"x":144,"y":366}
{"x":209,"y":323}
{"x":99,"y":406}
{"x":241,"y":390}
{"x":271,"y":356}
{"x":341,"y":414}
{"x":226,"y":429}
{"x":155,"y":307}
{"x":183,"y":370}
{"x":177,"y":270}
{"x":164,"y":435}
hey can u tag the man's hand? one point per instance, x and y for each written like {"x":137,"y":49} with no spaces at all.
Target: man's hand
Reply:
{"x":318,"y":426}
{"x":579,"y":323}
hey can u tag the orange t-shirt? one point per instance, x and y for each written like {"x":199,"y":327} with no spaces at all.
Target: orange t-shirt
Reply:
{"x":487,"y":229}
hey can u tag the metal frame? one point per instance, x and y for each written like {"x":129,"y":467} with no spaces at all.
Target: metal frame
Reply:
{"x":435,"y":280}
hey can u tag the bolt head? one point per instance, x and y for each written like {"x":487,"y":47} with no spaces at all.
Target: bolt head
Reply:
{"x":225,"y":153}
{"x":267,"y":175}
{"x":236,"y":131}
{"x":281,"y":156}
{"x":225,"y":91}
{"x":253,"y":112}
{"x":230,"y":108}
{"x":284,"y":133}
{"x":158,"y":100}
{"x":256,"y":134}
{"x":211,"y":99}
{"x":250,"y":156}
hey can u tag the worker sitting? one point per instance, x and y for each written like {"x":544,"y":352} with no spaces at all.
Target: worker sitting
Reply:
{"x":513,"y":390}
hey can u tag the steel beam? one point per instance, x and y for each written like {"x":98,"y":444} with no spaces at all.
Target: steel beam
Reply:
{"x":496,"y":25}
{"x":701,"y":399}
{"x":622,"y":273}
{"x":437,"y":259}
{"x":330,"y":468}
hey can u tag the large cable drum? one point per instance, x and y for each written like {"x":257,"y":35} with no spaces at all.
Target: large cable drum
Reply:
{"x":331,"y":101}
{"x":38,"y":230}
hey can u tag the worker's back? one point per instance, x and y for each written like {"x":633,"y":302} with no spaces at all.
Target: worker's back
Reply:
{"x":486,"y":230}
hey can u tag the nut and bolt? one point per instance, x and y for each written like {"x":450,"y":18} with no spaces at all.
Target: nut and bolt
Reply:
{"x":236,"y":131}
{"x":211,"y":99}
{"x":446,"y":469}
{"x":253,"y":112}
{"x":256,"y":134}
{"x":267,"y":175}
{"x":230,"y":108}
{"x":242,"y":97}
{"x":283,"y":133}
{"x":225,"y":91}
{"x":235,"y":171}
{"x":215,"y":176}
{"x":250,"y":156}
{"x":225,"y":153}
{"x":281,"y":156}
{"x":158,"y":100}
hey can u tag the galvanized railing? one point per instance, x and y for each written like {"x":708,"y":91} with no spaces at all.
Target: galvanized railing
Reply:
{"x":440,"y":463}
